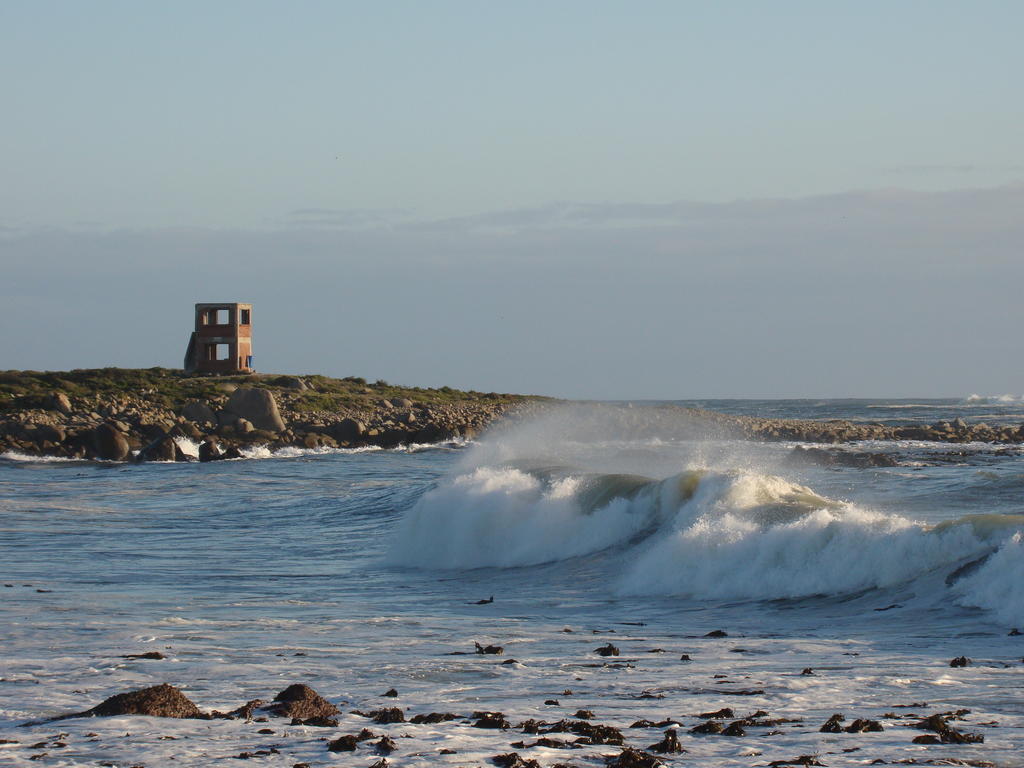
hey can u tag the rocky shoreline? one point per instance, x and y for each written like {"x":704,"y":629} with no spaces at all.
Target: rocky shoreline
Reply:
{"x":153,"y":423}
{"x":157,"y":415}
{"x":305,"y":723}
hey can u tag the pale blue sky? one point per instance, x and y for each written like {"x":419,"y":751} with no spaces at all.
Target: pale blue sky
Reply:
{"x":552,"y":173}
{"x":237,"y":113}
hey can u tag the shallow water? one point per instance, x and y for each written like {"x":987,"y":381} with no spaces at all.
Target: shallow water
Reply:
{"x":358,"y":572}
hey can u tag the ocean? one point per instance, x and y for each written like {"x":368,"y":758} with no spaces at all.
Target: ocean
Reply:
{"x":833,"y":590}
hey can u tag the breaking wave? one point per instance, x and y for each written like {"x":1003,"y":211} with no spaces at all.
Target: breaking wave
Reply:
{"x":975,"y":399}
{"x":706,"y":535}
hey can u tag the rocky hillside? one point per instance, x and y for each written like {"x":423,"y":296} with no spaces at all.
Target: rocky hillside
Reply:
{"x":111,"y":413}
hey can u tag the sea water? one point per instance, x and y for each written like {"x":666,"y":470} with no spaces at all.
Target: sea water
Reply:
{"x":360,"y":571}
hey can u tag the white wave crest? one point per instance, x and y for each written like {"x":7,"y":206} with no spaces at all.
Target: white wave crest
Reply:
{"x":998,"y":585}
{"x":25,"y":457}
{"x":724,"y":535}
{"x":749,"y":536}
{"x":506,"y":517}
{"x":975,"y":399}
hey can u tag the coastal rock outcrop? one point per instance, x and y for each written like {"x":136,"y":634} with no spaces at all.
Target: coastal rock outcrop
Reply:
{"x":200,"y":412}
{"x":110,"y":443}
{"x":257,"y":406}
{"x":302,"y":702}
{"x":157,"y":701}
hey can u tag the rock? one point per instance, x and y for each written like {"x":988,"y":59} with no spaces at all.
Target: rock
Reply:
{"x":513,"y":760}
{"x":46,"y":433}
{"x":245,"y":711}
{"x":317,"y":722}
{"x":388,"y":715}
{"x":584,"y":714}
{"x":312,"y":440}
{"x":669,"y":745}
{"x":292,"y":382}
{"x":802,"y":760}
{"x":402,"y":402}
{"x":301,"y":701}
{"x":343,"y":744}
{"x":594,"y":732}
{"x":947,"y":734}
{"x":722,"y":714}
{"x":433,"y":718}
{"x":385,"y":746}
{"x":391,"y":693}
{"x":159,"y":701}
{"x":208,"y":450}
{"x":162,"y":449}
{"x":226,"y":419}
{"x":153,"y":655}
{"x":734,"y":729}
{"x":244,"y":426}
{"x":257,"y":406}
{"x":717,"y":633}
{"x":633,"y":758}
{"x":491,"y":720}
{"x":200,"y":412}
{"x":607,"y":650}
{"x":188,"y":429}
{"x":960,"y":661}
{"x":58,"y":401}
{"x":710,"y":727}
{"x":109,"y":443}
{"x":348,"y":430}
{"x":495,"y":650}
{"x":864,"y":726}
{"x":685,"y":657}
{"x":832,"y":725}
{"x":837,"y":457}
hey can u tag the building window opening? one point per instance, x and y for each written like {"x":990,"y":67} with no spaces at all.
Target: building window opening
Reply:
{"x":244,"y":319}
{"x":223,"y":351}
{"x":223,"y":316}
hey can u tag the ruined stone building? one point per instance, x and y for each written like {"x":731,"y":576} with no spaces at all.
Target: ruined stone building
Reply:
{"x":222,"y":340}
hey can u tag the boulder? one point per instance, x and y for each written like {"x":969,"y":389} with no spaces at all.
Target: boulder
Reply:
{"x":200,"y":412}
{"x":226,"y":419}
{"x":164,"y":448}
{"x":159,"y":701}
{"x":109,"y":443}
{"x":208,"y":450}
{"x":302,"y":702}
{"x":46,"y":433}
{"x":348,"y":429}
{"x":401,"y":402}
{"x":317,"y":440}
{"x":257,"y":406}
{"x":58,"y":401}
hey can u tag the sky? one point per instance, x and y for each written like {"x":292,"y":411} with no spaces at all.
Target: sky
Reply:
{"x":611,"y":200}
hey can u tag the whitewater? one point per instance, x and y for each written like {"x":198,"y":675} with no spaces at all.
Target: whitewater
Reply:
{"x":834,"y":589}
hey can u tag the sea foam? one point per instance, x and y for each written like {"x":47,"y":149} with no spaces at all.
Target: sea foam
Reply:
{"x":702,"y":534}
